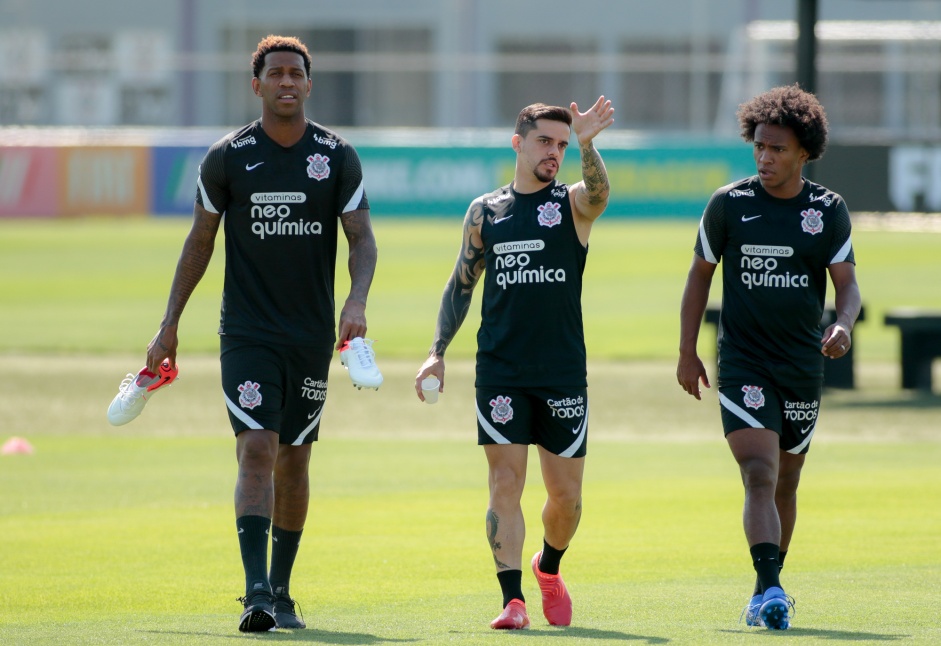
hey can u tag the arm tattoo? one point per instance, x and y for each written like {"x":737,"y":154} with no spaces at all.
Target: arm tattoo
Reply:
{"x":594,"y":175}
{"x":460,"y":287}
{"x":493,"y":522}
{"x":363,"y":252}
{"x":194,"y":259}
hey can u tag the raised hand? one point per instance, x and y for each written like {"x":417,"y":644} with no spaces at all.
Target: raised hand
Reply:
{"x":588,"y":124}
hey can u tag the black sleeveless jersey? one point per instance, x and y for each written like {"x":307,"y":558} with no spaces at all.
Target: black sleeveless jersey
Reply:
{"x":775,"y":256}
{"x":281,"y":209}
{"x":531,"y":315}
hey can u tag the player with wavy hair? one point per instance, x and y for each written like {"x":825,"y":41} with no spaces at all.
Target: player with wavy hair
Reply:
{"x":789,"y":107}
{"x":779,"y":235}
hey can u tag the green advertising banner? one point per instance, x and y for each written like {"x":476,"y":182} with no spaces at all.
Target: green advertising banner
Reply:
{"x":655,"y":180}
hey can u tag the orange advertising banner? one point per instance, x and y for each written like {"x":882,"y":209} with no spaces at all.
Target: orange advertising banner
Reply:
{"x":112,"y":180}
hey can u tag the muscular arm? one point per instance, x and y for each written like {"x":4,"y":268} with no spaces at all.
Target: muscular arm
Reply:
{"x":194,"y":259}
{"x":362,"y":267}
{"x":590,"y":196}
{"x":456,"y":300}
{"x":690,"y":369}
{"x":459,"y":289}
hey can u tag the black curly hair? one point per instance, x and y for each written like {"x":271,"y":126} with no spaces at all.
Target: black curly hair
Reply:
{"x":270,"y":44}
{"x":793,"y":108}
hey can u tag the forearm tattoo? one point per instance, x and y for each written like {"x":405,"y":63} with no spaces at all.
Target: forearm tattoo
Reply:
{"x":493,"y":523}
{"x":460,"y":286}
{"x":194,"y":260}
{"x":594,"y":175}
{"x":363,"y":253}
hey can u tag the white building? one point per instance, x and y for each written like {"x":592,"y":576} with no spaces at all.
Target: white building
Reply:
{"x":669,"y":65}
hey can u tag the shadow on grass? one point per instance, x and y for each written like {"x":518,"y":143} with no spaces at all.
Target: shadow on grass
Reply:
{"x":589,"y":633}
{"x":826,"y":635}
{"x":318,"y":636}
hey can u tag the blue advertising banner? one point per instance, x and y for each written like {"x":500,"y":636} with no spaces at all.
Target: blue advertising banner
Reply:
{"x":173,"y":178}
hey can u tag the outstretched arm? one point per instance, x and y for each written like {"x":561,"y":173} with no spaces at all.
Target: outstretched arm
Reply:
{"x":590,"y":196}
{"x":194,"y":259}
{"x":362,"y":267}
{"x":456,"y":300}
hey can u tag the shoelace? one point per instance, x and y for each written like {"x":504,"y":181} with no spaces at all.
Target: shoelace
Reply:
{"x":244,"y":600}
{"x":741,"y":617}
{"x":289,"y":600}
{"x":364,"y":353}
{"x":126,"y":384}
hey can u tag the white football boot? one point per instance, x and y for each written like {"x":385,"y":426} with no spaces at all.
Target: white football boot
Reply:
{"x":358,"y":357}
{"x":136,"y":390}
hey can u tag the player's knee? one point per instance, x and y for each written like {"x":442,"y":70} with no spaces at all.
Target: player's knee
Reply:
{"x":787,"y":485}
{"x":506,"y":482}
{"x":256,"y":450}
{"x":758,"y":474}
{"x":569,"y":500}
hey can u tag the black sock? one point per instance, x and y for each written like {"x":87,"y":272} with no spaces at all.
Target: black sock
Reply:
{"x":549,"y":561}
{"x":766,"y":560}
{"x":511,"y":582}
{"x":284,"y":544}
{"x":758,"y":589}
{"x":253,"y":543}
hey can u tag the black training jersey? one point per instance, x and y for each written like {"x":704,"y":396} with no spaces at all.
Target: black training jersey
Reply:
{"x":774,"y":277}
{"x":281,"y":209}
{"x":531,"y":315}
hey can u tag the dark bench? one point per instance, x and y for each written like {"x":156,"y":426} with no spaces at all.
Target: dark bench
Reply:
{"x":837,"y":373}
{"x":921,"y":344}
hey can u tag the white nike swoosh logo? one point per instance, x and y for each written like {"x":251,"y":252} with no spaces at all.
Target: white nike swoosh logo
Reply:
{"x":507,"y":217}
{"x":253,"y":166}
{"x":314,"y":415}
{"x":752,"y":217}
{"x":804,"y":430}
{"x":241,"y":530}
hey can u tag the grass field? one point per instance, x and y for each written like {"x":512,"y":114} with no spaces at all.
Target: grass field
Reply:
{"x":126,"y":536}
{"x":101,"y":286}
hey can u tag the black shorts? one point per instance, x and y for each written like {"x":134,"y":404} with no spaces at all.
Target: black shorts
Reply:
{"x":791,"y":412}
{"x":275,"y":387}
{"x":554,"y":418}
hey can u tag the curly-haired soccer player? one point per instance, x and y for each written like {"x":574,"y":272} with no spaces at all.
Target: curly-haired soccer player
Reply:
{"x":778,"y":235}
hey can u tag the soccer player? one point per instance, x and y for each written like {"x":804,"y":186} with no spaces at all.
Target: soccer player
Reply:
{"x":779,"y":235}
{"x":285,"y":185}
{"x":531,"y":237}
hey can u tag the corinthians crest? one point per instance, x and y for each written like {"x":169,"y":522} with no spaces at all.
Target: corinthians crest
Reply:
{"x":318,"y":166}
{"x":251,"y":395}
{"x":753,"y":397}
{"x":812,"y":221}
{"x":549,"y":214}
{"x":502,"y":411}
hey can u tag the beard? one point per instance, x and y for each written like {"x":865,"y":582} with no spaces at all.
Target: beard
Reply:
{"x":544,"y":174}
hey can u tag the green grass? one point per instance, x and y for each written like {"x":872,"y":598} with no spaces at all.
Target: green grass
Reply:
{"x":100,"y":285}
{"x":126,"y":535}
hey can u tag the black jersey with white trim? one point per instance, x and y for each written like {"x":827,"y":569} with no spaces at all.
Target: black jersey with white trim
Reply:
{"x":531,"y":331}
{"x":775,"y":256}
{"x":282,"y":208}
